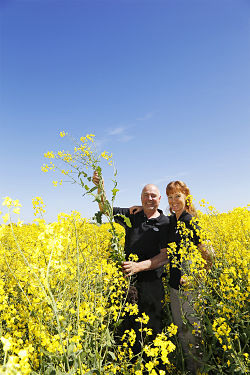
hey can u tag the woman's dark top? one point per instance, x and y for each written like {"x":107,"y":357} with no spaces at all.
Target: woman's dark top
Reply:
{"x":177,"y":236}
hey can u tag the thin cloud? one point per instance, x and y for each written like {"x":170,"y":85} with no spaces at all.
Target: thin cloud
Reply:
{"x":147,"y":116}
{"x":116,"y":131}
{"x":120,"y":133}
{"x":126,"y":138}
{"x":100,"y":142}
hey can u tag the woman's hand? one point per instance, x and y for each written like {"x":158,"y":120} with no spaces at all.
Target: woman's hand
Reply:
{"x":135,"y":209}
{"x":208,"y":255}
{"x":184,"y":281}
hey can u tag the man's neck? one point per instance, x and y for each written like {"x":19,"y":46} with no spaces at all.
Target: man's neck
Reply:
{"x":152,"y":214}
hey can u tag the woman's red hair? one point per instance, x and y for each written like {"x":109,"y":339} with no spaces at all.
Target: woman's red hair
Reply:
{"x":176,"y":186}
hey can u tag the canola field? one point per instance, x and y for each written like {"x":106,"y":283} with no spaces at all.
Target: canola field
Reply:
{"x":63,"y":295}
{"x":62,"y":299}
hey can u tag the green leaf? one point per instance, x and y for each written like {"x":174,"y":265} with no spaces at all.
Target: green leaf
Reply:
{"x":98,"y":217}
{"x":86,"y":187}
{"x":126,"y":220}
{"x":99,"y":170}
{"x":98,"y":198}
{"x":50,"y":371}
{"x":92,"y":189}
{"x":112,"y":355}
{"x":84,"y":174}
{"x":114,"y":191}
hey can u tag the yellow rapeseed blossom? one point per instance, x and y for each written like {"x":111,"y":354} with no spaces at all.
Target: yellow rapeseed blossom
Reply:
{"x":62,"y":297}
{"x":49,"y":155}
{"x":6,"y":218}
{"x":6,"y":344}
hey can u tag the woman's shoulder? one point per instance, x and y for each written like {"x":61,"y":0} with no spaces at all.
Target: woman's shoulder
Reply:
{"x":172,"y":218}
{"x":186,"y":216}
{"x":189,"y":219}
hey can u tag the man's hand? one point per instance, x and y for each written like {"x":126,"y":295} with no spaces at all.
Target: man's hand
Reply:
{"x":98,"y":181}
{"x":130,"y":268}
{"x":96,"y":178}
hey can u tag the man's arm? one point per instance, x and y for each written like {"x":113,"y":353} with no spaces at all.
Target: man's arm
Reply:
{"x":98,"y":181}
{"x":131,"y":268}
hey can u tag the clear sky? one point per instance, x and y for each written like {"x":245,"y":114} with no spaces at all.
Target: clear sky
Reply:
{"x":164,"y":86}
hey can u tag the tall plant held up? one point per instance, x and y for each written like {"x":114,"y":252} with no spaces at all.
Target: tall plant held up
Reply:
{"x":78,"y":166}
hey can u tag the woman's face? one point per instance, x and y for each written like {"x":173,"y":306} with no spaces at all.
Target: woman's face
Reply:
{"x":177,"y":202}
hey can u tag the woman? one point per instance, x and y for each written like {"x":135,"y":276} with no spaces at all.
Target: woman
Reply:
{"x":182,"y":214}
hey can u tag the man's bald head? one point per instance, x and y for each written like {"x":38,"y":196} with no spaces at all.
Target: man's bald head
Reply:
{"x":151,"y":186}
{"x":150,"y":198}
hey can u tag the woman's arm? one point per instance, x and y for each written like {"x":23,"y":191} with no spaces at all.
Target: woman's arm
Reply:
{"x":207,"y":255}
{"x":135,"y":209}
{"x":131,"y":268}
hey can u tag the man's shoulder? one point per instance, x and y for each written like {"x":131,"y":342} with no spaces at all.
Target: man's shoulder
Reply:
{"x":121,"y":211}
{"x":123,"y":217}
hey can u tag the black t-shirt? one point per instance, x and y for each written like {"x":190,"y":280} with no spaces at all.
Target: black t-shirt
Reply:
{"x":176,"y":236}
{"x":146,"y":237}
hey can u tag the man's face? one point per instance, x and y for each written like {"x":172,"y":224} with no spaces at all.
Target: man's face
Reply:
{"x":150,"y":198}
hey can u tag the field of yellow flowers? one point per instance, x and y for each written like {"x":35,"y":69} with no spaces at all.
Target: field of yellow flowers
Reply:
{"x":63,"y":295}
{"x":62,"y":298}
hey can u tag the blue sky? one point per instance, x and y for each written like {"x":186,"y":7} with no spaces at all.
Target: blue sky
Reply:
{"x":164,"y":86}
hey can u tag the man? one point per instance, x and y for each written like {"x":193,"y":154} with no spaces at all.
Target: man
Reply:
{"x":146,"y":238}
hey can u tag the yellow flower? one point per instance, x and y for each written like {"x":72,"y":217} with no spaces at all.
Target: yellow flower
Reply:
{"x":106,"y":156}
{"x":20,"y":223}
{"x":49,"y":155}
{"x":44,"y":168}
{"x":172,"y":329}
{"x":6,"y":344}
{"x":6,"y":218}
{"x":16,"y":203}
{"x":7,"y":202}
{"x":133,"y":257}
{"x":149,"y":366}
{"x":23,"y":353}
{"x":143,"y":319}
